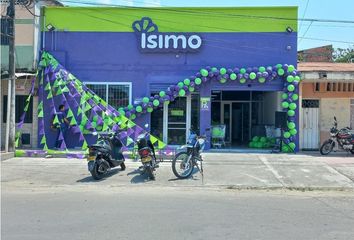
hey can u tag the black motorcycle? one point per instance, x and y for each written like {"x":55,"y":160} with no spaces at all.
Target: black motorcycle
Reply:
{"x":147,"y":155}
{"x":343,"y":137}
{"x":185,"y":161}
{"x":105,"y":155}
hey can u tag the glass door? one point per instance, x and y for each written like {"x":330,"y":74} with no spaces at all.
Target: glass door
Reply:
{"x":226,"y":113}
{"x":177,"y":121}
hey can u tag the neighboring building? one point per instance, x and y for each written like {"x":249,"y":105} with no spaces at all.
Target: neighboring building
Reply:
{"x":327,"y":90}
{"x":99,"y":46}
{"x":318,"y":54}
{"x":27,"y":40}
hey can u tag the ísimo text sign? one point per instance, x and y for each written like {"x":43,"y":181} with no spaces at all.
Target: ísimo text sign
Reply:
{"x":151,"y":40}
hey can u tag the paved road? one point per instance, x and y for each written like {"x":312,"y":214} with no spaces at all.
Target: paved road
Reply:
{"x":169,"y":213}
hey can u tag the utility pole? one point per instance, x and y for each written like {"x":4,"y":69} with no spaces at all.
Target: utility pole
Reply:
{"x":12,"y":86}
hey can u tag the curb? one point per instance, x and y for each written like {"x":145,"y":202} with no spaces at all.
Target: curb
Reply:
{"x":5,"y":156}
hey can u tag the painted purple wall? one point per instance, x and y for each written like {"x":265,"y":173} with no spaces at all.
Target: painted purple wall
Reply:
{"x":114,"y":57}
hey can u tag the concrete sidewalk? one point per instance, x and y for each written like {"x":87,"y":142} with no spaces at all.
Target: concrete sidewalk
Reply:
{"x":226,"y":170}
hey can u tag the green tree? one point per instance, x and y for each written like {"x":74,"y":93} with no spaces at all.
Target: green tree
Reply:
{"x":343,"y":55}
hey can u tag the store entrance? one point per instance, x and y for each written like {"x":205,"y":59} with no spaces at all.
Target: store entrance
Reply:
{"x":236,"y":117}
{"x":240,"y":113}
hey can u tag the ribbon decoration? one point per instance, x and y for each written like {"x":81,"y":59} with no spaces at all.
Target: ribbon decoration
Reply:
{"x":86,"y":111}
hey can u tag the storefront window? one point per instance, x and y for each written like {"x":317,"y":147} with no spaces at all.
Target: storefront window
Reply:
{"x":117,"y":95}
{"x":195,"y":112}
{"x":177,"y":121}
{"x":157,"y":123}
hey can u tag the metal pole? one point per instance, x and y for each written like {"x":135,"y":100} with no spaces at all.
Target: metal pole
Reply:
{"x":12,"y":97}
{"x":8,"y":116}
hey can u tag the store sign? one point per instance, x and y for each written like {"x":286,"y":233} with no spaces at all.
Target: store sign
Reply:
{"x":177,"y":113}
{"x":205,"y":103}
{"x":151,"y":40}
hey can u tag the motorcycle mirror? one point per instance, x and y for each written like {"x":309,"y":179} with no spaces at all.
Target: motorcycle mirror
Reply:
{"x":94,"y":133}
{"x":335,"y":119}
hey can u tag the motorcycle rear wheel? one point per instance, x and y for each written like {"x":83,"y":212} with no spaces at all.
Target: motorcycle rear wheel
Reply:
{"x":327,"y":147}
{"x":150,"y":173}
{"x":184,"y":163}
{"x":96,"y":172}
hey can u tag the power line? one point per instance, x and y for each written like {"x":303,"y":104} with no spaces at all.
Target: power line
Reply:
{"x":216,"y":14}
{"x":307,"y":4}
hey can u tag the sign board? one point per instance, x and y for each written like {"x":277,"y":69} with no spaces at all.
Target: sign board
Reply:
{"x":151,"y":40}
{"x":177,"y":113}
{"x":205,"y":103}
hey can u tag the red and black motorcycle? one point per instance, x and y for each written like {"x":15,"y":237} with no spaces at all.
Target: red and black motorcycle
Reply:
{"x":343,"y":137}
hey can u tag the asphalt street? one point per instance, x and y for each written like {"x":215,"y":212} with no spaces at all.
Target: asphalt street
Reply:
{"x":293,"y":197}
{"x":174,"y":213}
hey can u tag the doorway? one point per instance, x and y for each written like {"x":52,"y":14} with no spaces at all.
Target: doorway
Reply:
{"x":236,"y":117}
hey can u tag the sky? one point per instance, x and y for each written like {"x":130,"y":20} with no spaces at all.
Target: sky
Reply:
{"x":311,"y":34}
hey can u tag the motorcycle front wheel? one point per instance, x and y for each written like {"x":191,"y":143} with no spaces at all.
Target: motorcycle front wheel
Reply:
{"x":327,"y":147}
{"x":182,"y":165}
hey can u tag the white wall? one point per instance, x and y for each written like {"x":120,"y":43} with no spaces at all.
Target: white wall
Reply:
{"x":272,"y":101}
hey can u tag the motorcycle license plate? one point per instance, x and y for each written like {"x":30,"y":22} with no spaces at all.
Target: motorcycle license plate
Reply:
{"x":146,"y":159}
{"x":91,"y":158}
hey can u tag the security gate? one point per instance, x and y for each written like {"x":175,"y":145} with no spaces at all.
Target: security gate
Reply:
{"x":310,"y":136}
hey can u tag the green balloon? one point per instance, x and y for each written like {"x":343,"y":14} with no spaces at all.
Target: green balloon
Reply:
{"x":292,"y":145}
{"x":281,"y":72}
{"x":261,"y":69}
{"x":150,"y":109}
{"x":291,"y":125}
{"x":263,"y":139}
{"x":139,"y":109}
{"x":214,"y":69}
{"x":292,"y":106}
{"x":290,"y":79}
{"x":198,"y":81}
{"x":182,"y":93}
{"x":222,"y":70}
{"x":291,"y":68}
{"x":145,"y":100}
{"x":284,"y":96}
{"x":156,"y":102}
{"x":285,"y":149}
{"x":261,"y":80}
{"x":191,"y":89}
{"x":186,"y":81}
{"x":291,"y":113}
{"x":278,"y":65}
{"x":285,"y":104}
{"x":255,"y":139}
{"x":297,"y":78}
{"x":242,"y":80}
{"x":243,"y":70}
{"x":204,"y":72}
{"x":130,"y":107}
{"x":133,"y":116}
{"x":293,"y":132}
{"x":291,"y":88}
{"x":122,"y":112}
{"x":253,"y":75}
{"x":223,"y":80}
{"x":233,"y":76}
{"x":180,"y":84}
{"x":162,"y":94}
{"x":287,"y":134}
{"x":295,"y":97}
